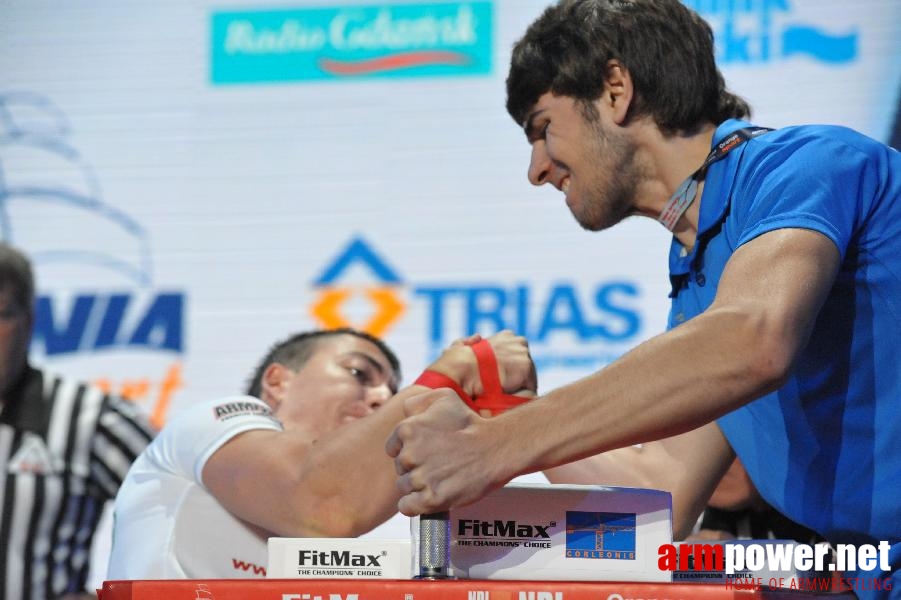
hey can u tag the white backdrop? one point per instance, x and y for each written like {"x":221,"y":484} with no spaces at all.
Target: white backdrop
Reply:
{"x":189,"y":197}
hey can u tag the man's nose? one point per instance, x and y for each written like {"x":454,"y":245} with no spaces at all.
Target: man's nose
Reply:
{"x":376,"y":396}
{"x":539,"y":165}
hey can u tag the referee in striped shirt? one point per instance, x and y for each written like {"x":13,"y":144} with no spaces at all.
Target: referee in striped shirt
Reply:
{"x":64,"y":450}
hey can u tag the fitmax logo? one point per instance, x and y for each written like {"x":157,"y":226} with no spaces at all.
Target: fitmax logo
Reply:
{"x":505,"y":529}
{"x":336,"y":558}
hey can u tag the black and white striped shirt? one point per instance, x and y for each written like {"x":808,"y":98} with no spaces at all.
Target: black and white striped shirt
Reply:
{"x":65,"y":448}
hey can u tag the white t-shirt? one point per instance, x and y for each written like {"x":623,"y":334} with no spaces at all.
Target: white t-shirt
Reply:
{"x":166,"y":524}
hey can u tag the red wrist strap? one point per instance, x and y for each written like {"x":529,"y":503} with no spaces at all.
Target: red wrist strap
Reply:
{"x":492,"y":397}
{"x":435,"y":380}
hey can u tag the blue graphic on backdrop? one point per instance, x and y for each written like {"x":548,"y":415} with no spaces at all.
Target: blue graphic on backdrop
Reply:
{"x":39,"y":166}
{"x":351,"y":42}
{"x":47,"y":188}
{"x":601,"y":319}
{"x":746,"y":33}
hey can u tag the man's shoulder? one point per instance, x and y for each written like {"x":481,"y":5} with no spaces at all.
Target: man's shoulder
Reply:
{"x":816,"y":145}
{"x":226,"y":416}
{"x":225,"y":408}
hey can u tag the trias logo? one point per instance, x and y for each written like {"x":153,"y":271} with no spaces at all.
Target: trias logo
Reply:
{"x":334,"y":307}
{"x":336,"y":558}
{"x":569,"y":325}
{"x":505,"y":529}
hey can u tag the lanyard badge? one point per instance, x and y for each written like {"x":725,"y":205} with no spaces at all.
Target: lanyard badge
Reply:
{"x":685,"y":194}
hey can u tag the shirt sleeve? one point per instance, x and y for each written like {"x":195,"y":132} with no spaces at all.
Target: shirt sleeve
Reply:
{"x":187,"y":442}
{"x":811,"y":182}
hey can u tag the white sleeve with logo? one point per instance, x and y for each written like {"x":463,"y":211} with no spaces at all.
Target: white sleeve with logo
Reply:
{"x":188,"y":441}
{"x":167,"y":526}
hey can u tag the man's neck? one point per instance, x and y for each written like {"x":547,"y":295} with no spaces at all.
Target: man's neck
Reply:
{"x":673,"y":159}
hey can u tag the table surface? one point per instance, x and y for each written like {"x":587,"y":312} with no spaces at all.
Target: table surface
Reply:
{"x":369,"y":589}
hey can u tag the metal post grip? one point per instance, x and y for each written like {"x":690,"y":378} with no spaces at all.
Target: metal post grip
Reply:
{"x":434,"y":546}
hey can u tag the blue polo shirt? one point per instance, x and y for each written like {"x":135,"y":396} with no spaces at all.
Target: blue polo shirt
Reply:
{"x":825,"y":449}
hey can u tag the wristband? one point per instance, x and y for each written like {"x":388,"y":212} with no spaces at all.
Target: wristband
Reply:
{"x":493,"y":398}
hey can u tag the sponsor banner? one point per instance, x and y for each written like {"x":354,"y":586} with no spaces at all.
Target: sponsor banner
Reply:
{"x":382,"y":40}
{"x":561,"y":532}
{"x":99,"y":313}
{"x":815,"y":45}
{"x":339,"y":558}
{"x":572,"y":326}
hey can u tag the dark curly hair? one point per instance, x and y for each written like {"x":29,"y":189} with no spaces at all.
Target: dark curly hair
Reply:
{"x":666,"y":48}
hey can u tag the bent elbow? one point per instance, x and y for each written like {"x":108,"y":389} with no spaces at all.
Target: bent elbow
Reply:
{"x":328,"y":517}
{"x":770,"y":362}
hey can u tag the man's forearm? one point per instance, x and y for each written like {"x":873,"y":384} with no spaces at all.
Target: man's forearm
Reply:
{"x":669,"y":385}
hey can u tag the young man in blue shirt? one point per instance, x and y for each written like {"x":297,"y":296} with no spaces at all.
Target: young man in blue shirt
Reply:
{"x":786,"y":291}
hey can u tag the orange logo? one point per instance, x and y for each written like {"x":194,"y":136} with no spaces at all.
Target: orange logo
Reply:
{"x":332,"y":305}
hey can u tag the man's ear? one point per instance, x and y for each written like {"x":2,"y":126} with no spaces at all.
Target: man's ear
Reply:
{"x":618,"y":91}
{"x":273,"y":383}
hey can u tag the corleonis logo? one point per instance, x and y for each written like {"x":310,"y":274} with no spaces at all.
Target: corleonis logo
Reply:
{"x":406,"y":40}
{"x":334,"y":303}
{"x":600,"y":535}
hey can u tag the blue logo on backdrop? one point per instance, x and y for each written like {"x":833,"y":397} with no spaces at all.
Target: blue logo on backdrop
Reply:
{"x":600,"y":535}
{"x":403,"y":40}
{"x":51,"y":206}
{"x":747,"y":32}
{"x":33,"y":134}
{"x":599,"y":320}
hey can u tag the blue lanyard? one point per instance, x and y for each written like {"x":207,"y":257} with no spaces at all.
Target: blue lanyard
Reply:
{"x":685,"y":194}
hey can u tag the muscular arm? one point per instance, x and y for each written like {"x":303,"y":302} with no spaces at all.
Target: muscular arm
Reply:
{"x":292,"y":485}
{"x":342,"y":484}
{"x":689,"y":466}
{"x":739,"y":349}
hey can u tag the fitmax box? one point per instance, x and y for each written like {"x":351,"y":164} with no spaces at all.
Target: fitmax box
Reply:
{"x":562,"y":533}
{"x":339,"y":558}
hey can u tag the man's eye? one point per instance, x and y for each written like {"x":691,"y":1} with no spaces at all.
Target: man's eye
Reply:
{"x":360,"y":374}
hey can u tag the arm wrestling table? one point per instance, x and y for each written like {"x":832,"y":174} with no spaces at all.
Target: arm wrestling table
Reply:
{"x":412,"y":589}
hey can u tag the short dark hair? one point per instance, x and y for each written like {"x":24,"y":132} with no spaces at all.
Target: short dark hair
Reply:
{"x":666,"y":47}
{"x":16,"y":275}
{"x":296,"y":350}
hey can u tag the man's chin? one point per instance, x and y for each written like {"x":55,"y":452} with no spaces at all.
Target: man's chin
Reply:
{"x":595,"y":224}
